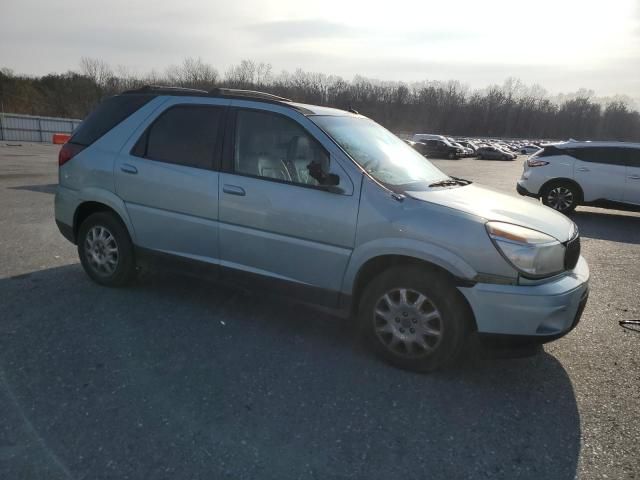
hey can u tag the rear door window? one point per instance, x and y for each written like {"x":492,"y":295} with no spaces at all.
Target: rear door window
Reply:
{"x":604,"y":155}
{"x":632,"y":157}
{"x":183,"y":135}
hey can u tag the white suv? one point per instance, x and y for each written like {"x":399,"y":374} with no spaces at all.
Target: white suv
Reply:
{"x":565,"y":175}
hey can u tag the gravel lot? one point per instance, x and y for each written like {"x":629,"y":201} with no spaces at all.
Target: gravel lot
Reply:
{"x":177,"y":378}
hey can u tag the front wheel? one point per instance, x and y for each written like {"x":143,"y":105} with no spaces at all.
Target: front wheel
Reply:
{"x":561,"y":196}
{"x":106,"y":250}
{"x":414,"y":318}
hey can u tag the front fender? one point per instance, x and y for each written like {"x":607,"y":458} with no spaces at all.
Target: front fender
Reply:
{"x":425,"y":251}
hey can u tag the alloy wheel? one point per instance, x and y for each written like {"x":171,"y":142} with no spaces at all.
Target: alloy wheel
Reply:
{"x":101,"y":250}
{"x":407,"y":323}
{"x":560,"y":198}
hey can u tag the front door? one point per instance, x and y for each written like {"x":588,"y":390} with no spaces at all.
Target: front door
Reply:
{"x":276,"y":221}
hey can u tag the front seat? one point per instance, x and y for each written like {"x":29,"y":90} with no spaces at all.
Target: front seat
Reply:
{"x":299,"y":155}
{"x":272,"y":168}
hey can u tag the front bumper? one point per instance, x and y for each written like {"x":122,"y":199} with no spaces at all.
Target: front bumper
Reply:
{"x":546,"y":311}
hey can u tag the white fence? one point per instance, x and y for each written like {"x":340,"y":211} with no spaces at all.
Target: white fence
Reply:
{"x":26,"y":128}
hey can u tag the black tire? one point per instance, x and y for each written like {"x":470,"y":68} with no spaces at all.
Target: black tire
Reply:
{"x":124,"y":270}
{"x":452,"y":156}
{"x":443,"y":298}
{"x":567,"y":190}
{"x":505,"y":157}
{"x":480,"y":157}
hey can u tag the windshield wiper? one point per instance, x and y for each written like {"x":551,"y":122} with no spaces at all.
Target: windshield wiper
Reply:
{"x":462,"y":181}
{"x":450,"y":182}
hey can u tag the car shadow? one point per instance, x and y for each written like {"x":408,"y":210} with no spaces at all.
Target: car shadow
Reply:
{"x":607,"y":225}
{"x":42,"y":188}
{"x":175,"y":377}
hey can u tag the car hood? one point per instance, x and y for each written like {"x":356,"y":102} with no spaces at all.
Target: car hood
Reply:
{"x":492,"y":205}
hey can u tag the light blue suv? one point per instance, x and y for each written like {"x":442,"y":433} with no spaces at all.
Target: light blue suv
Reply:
{"x":317,"y":203}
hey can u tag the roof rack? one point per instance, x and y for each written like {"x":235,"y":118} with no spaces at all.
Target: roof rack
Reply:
{"x":162,"y":90}
{"x":237,"y":93}
{"x":216,"y":92}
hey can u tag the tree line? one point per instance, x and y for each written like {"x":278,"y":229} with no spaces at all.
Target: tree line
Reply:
{"x":512,"y":110}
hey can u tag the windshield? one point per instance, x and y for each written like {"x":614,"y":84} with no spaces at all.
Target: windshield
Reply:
{"x":383,"y":155}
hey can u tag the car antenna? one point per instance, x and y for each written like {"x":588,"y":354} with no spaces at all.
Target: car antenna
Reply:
{"x":353,"y":110}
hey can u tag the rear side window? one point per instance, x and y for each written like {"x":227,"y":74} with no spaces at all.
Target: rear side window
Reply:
{"x":109,"y":113}
{"x":632,"y":156}
{"x":183,"y":135}
{"x":605,"y":155}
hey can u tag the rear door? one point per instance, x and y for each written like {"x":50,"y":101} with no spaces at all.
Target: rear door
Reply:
{"x":167,"y":175}
{"x":632,"y":182}
{"x":276,"y":223}
{"x":600,"y":172}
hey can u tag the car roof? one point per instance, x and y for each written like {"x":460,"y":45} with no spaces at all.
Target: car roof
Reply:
{"x":238,"y":94}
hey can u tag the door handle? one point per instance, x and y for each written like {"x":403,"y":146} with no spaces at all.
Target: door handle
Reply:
{"x":634,"y":177}
{"x":126,"y":168}
{"x":233,"y":190}
{"x":583,"y":169}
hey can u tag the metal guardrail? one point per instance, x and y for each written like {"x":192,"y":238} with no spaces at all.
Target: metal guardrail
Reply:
{"x":28,"y":128}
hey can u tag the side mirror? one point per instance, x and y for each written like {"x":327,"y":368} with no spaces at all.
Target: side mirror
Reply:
{"x":320,"y":175}
{"x":331,"y":180}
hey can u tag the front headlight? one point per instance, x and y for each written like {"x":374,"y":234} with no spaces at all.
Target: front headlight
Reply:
{"x":534,"y":254}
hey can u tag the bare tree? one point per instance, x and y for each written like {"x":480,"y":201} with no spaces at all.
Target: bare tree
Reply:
{"x":511,"y":109}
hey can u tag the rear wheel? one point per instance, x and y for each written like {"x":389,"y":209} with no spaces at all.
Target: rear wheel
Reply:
{"x":561,"y":196}
{"x":414,"y":318}
{"x":451,"y":156}
{"x":105,"y":250}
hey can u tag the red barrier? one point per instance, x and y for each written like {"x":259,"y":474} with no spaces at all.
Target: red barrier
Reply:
{"x":60,"y":138}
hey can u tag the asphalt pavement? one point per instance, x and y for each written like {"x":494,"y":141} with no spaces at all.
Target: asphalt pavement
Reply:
{"x":180,"y":378}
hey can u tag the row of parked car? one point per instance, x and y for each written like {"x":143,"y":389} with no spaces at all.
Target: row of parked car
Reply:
{"x":440,"y":146}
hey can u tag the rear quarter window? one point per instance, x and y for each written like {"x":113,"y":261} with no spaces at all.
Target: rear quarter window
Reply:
{"x":109,"y":113}
{"x":551,"y":151}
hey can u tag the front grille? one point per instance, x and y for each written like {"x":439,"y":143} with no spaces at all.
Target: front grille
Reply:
{"x":572,"y":253}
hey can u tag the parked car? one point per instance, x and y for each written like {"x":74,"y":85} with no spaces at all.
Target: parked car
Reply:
{"x":470,"y":145}
{"x":494,"y":153}
{"x":441,"y":149}
{"x":528,"y":149}
{"x":604,"y":174}
{"x":317,"y":203}
{"x":465,"y":151}
{"x":421,"y":137}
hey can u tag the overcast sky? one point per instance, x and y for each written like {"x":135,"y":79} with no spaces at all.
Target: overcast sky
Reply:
{"x":561,"y":44}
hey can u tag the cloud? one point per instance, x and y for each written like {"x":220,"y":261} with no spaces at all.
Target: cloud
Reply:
{"x":296,"y":30}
